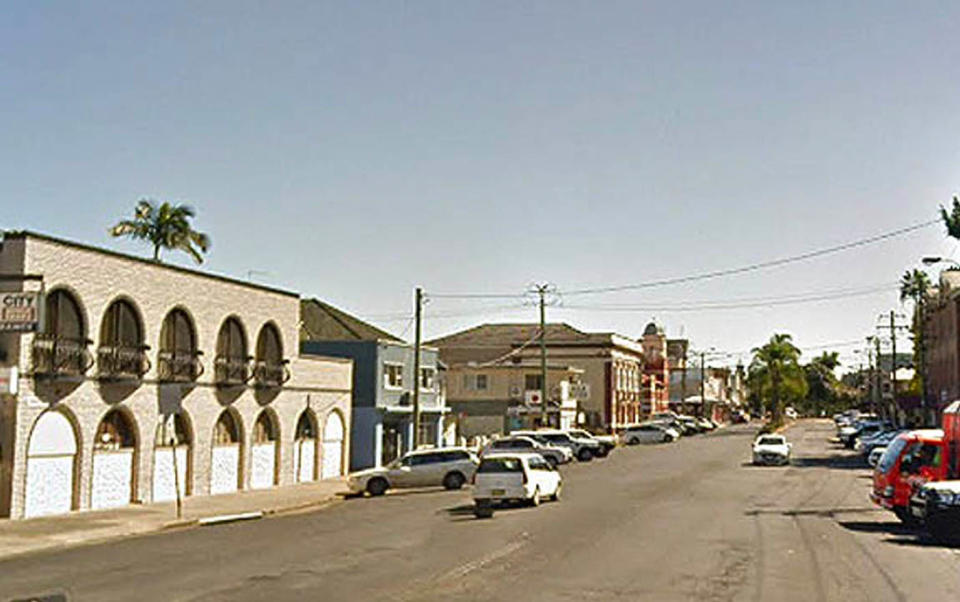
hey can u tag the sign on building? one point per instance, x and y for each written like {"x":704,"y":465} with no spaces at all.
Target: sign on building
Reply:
{"x":580,"y":391}
{"x":8,"y":380}
{"x":20,"y":311}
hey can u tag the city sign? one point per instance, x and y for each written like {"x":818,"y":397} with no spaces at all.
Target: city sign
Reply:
{"x":20,"y":311}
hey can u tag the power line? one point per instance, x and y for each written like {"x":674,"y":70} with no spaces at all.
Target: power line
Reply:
{"x":737,"y":304}
{"x":755,"y":266}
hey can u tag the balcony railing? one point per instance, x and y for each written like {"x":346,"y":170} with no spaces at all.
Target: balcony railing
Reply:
{"x":60,"y":356}
{"x":118,"y":362}
{"x":270,"y":373}
{"x":179,"y":366}
{"x":231,"y":370}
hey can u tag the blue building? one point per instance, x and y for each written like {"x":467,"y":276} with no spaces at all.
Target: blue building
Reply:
{"x":383,"y":381}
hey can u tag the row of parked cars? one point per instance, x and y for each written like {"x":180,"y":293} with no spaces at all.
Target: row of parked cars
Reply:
{"x":665,"y":427}
{"x":915,"y":470}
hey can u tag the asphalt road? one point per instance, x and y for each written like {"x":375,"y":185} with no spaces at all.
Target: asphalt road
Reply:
{"x":687,"y":521}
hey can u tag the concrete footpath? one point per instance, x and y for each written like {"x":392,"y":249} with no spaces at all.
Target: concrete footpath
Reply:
{"x":44,"y":533}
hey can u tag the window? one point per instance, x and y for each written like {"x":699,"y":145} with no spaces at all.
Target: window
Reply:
{"x":232,"y":362}
{"x":475,"y":382}
{"x":481,"y":382}
{"x":62,"y":348}
{"x":539,"y":464}
{"x":270,"y":367}
{"x":393,"y":376}
{"x":121,"y":353}
{"x":177,"y":360}
{"x":500,"y":465}
{"x":427,"y":378}
{"x":533,"y":382}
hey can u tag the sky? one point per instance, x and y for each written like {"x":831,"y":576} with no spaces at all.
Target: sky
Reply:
{"x":353,"y":151}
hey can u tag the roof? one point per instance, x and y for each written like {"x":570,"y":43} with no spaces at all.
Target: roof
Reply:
{"x":24,"y":234}
{"x":652,"y":329}
{"x":516,"y":334}
{"x":321,"y":321}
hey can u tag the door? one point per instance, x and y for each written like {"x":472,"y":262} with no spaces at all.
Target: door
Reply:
{"x":226,"y":454}
{"x":333,"y":432}
{"x":164,"y":481}
{"x":306,"y":460}
{"x":51,"y":458}
{"x":113,"y":461}
{"x":263,"y":458}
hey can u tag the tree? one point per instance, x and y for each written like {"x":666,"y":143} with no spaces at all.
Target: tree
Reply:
{"x":165,"y":226}
{"x":776,"y":374}
{"x":951,"y":219}
{"x":914,"y":286}
{"x":823,"y":388}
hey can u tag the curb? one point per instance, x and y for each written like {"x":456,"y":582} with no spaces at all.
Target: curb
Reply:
{"x":229,"y":518}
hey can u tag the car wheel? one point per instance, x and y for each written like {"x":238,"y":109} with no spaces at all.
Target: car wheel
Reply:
{"x":377,"y":486}
{"x":556,"y":494}
{"x":483,"y":509}
{"x":633,"y":441}
{"x":584,"y":455}
{"x":454,"y":480}
{"x":906,"y":517}
{"x":552,"y":461}
{"x":535,"y":499}
{"x":603,"y":452}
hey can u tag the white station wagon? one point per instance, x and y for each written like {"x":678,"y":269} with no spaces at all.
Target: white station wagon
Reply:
{"x":514,"y":477}
{"x":449,"y":466}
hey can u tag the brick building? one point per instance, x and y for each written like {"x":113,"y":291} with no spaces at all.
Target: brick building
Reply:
{"x":132,"y":356}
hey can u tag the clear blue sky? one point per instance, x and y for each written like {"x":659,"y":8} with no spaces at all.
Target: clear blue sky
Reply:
{"x":355,"y":150}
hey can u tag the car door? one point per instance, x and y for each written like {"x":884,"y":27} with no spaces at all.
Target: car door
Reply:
{"x":428,"y":470}
{"x":401,"y":474}
{"x":545,"y":477}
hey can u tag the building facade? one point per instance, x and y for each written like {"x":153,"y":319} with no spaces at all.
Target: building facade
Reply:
{"x":610,"y":386}
{"x":655,"y":396}
{"x":144,"y":380}
{"x":382,"y":427}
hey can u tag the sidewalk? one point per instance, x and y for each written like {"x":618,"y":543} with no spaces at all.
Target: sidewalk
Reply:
{"x":31,"y":535}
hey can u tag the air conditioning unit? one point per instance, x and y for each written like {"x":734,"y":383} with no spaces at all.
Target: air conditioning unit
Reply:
{"x":516,"y":392}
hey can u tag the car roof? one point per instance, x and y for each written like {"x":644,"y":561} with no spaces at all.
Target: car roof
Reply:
{"x":512,"y":454}
{"x":433,"y":450}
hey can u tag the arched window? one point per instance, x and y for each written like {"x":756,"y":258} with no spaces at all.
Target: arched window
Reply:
{"x":115,"y":432}
{"x":61,"y":349}
{"x":270,"y":368}
{"x":265,"y":428}
{"x":178,"y":359}
{"x":226,"y":431}
{"x":232,"y":361}
{"x":306,"y":426}
{"x":122,"y":353}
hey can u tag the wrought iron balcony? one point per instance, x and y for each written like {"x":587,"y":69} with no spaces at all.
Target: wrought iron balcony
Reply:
{"x":231,"y":370}
{"x":270,"y":373}
{"x":119,"y":362}
{"x":60,"y":356}
{"x":179,"y":366}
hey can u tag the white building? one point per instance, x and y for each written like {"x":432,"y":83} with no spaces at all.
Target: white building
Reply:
{"x":129,"y":356}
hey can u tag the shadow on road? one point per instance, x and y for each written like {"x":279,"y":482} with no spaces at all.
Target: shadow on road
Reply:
{"x":890,"y":528}
{"x":836,"y":462}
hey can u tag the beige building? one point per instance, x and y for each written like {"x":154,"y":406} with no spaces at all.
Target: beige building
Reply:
{"x":610,"y":391}
{"x":502,"y":397}
{"x":131,"y":357}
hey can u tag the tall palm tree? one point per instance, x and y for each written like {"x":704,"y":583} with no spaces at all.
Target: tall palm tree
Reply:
{"x":165,"y":226}
{"x":915,"y":285}
{"x":778,"y":361}
{"x":951,"y":219}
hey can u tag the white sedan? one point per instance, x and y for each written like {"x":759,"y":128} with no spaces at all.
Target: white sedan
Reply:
{"x":771,"y":449}
{"x":507,"y":477}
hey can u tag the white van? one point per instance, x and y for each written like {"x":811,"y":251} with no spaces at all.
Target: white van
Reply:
{"x":506,"y":477}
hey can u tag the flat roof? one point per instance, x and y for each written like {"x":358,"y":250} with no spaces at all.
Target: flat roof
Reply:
{"x":23,"y":234}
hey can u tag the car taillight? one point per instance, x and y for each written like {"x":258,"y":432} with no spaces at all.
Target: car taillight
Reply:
{"x":473,"y":479}
{"x":524,"y":477}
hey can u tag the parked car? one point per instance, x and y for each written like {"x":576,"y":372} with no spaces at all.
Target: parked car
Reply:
{"x":554,"y":454}
{"x":649,"y":432}
{"x":514,"y":477}
{"x":583,"y":449}
{"x":937,"y":506}
{"x":450,"y":467}
{"x":771,"y":449}
{"x":875,"y":454}
{"x":607,"y":442}
{"x":706,"y":424}
{"x":858,"y":430}
{"x":690,"y":425}
{"x":912,"y":459}
{"x":791,"y":413}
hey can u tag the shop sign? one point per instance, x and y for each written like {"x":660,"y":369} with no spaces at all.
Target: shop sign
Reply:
{"x":20,"y":311}
{"x":9,"y":380}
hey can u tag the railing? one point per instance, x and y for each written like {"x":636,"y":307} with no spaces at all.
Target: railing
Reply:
{"x":122,"y":362}
{"x":179,"y":366}
{"x":270,"y":373}
{"x":60,"y":356}
{"x":231,"y":370}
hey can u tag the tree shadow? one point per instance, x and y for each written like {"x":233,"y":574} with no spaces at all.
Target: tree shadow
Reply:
{"x":890,"y":528}
{"x":834,"y":462}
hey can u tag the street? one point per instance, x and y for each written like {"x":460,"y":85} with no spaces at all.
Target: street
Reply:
{"x":685,"y":521}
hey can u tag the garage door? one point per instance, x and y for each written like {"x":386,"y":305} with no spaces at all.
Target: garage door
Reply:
{"x":112,"y":479}
{"x":332,"y":447}
{"x":224,"y":472}
{"x":51,"y":457}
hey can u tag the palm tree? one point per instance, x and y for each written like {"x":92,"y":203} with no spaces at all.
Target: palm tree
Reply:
{"x":777,"y":364}
{"x":951,"y":219}
{"x":165,"y":226}
{"x":915,"y":285}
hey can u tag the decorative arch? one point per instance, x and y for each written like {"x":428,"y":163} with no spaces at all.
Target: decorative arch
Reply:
{"x":114,"y":459}
{"x":60,"y":349}
{"x":122,"y":349}
{"x":226,"y":459}
{"x":334,"y":439}
{"x":52,"y":464}
{"x":178,"y":358}
{"x":270,"y":367}
{"x":173,"y":446}
{"x":265,"y":450}
{"x":232,"y":362}
{"x":306,"y":442}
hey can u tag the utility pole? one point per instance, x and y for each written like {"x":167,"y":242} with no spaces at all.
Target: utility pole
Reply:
{"x":683,"y":381}
{"x":542,"y":291}
{"x":418,"y":314}
{"x":878,"y":400}
{"x":703,"y":380}
{"x":893,"y":364}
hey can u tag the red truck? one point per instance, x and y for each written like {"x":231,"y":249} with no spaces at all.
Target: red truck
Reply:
{"x":914,"y":458}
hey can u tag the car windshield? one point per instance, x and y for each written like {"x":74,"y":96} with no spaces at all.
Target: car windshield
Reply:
{"x":771,"y":441}
{"x":890,"y":456}
{"x":497,"y":465}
